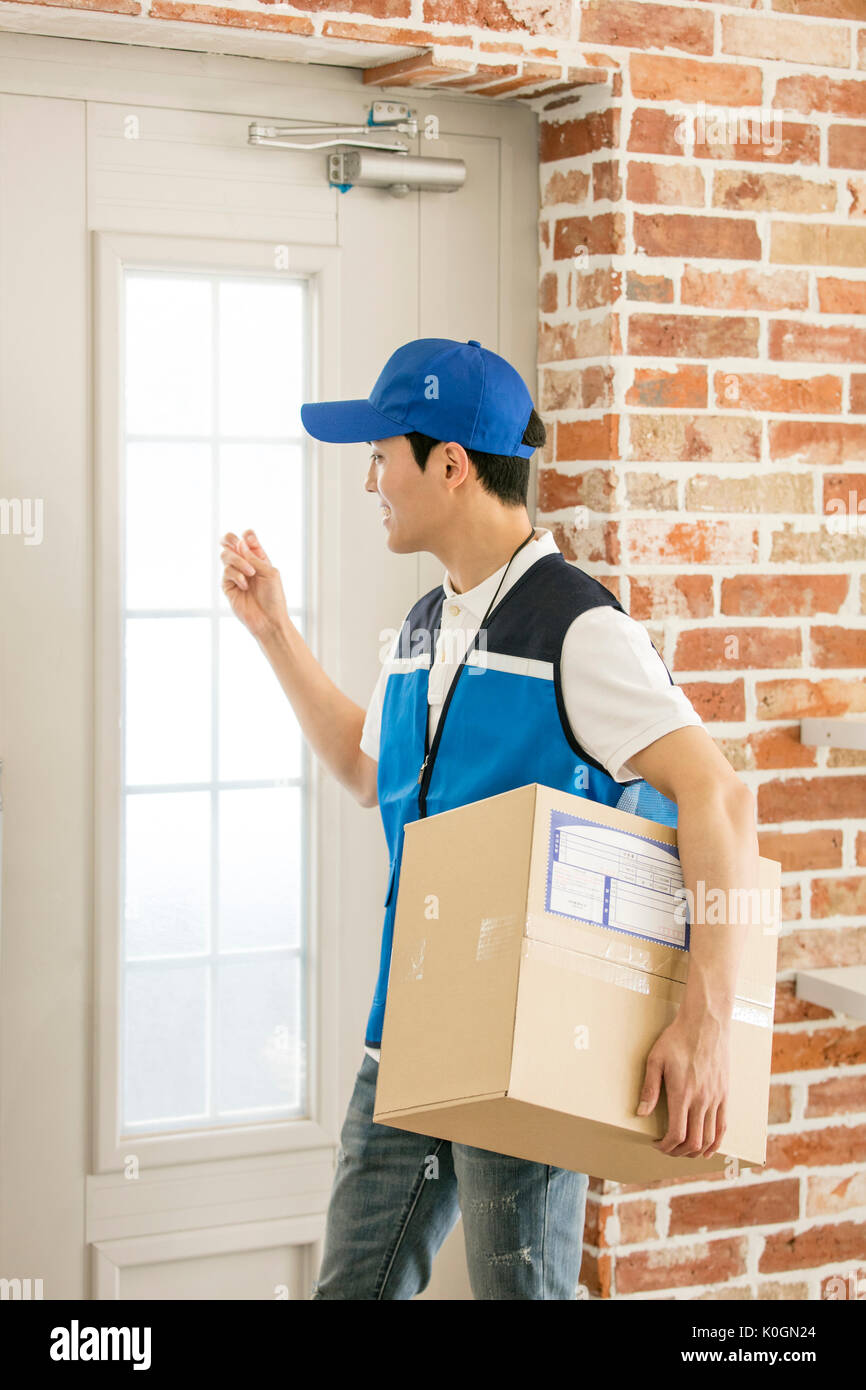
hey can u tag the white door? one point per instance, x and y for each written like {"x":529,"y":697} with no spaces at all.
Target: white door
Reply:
{"x":190,"y":912}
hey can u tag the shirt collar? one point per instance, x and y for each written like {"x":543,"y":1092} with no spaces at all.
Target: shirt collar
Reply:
{"x":476,"y":600}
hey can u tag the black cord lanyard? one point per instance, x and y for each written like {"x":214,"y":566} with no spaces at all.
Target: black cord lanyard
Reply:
{"x":428,"y":750}
{"x":502,"y":580}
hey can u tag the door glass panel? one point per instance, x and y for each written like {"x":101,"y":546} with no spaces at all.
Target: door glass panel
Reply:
{"x":261,"y":358}
{"x":253,"y":749}
{"x":169,"y":541}
{"x":168,"y":840}
{"x":168,"y":700}
{"x":258,"y":1042}
{"x":215,"y":788}
{"x":255,"y":479}
{"x":258,"y":874}
{"x":169,"y":338}
{"x":165,"y":1064}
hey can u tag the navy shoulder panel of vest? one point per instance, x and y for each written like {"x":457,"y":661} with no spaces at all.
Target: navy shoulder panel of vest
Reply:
{"x":532,"y":618}
{"x":422,"y":620}
{"x":537,"y":611}
{"x":556,"y":592}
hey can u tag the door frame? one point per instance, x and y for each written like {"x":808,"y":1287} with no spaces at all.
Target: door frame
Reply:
{"x":319,"y":266}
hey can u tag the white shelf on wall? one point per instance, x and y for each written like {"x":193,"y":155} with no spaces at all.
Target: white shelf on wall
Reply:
{"x":841,"y":988}
{"x":833,"y":733}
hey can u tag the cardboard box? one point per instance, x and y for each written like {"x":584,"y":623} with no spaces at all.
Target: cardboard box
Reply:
{"x":519,"y":1017}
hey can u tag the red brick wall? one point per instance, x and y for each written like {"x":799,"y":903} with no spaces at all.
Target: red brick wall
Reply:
{"x":702,"y":370}
{"x":702,"y":363}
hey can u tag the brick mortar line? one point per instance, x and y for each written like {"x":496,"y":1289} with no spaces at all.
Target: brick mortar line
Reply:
{"x":572,"y":54}
{"x":802,"y":878}
{"x":686,"y":309}
{"x":768,"y":67}
{"x":801,"y":826}
{"x":808,"y":318}
{"x":592,"y":414}
{"x":570,"y":50}
{"x":706,"y":163}
{"x":748,"y":1178}
{"x":703,"y":1236}
{"x":780,"y":216}
{"x":684,"y":470}
{"x":801,"y":1124}
{"x":677,"y":107}
{"x":726,"y":569}
{"x":765,"y":1177}
{"x":808,"y":1275}
{"x":764,"y":673}
{"x":687,"y":7}
{"x":806,"y":1027}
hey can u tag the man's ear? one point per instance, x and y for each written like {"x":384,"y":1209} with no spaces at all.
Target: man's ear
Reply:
{"x":456,"y":462}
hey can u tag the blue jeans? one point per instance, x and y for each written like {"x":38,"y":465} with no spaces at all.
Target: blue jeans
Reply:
{"x":396,"y":1195}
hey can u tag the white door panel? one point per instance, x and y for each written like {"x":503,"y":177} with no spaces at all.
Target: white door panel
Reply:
{"x":86,"y":180}
{"x":156,"y":170}
{"x":45,"y":696}
{"x":469,"y":308}
{"x":378,"y":306}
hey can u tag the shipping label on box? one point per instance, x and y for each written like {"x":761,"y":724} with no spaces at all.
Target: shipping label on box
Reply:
{"x":615,"y":879}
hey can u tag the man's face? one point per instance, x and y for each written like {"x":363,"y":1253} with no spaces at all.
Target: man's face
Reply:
{"x":408,"y":497}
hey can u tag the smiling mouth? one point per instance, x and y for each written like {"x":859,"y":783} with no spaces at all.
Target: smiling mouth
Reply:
{"x":386,"y":513}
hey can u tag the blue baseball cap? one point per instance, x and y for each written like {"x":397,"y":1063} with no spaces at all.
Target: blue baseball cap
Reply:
{"x":441,"y":388}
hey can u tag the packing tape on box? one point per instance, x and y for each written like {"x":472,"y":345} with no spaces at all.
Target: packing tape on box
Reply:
{"x":611,"y":971}
{"x":496,"y":935}
{"x":744,"y":1012}
{"x":626,"y":977}
{"x":621,"y":948}
{"x":601,"y":942}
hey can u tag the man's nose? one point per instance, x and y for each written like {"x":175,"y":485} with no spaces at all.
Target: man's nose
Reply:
{"x":370,"y":480}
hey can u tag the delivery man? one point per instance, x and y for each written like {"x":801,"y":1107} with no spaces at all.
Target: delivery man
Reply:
{"x":581,"y":701}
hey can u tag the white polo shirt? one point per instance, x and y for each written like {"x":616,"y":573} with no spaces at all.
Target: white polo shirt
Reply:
{"x":625,"y":704}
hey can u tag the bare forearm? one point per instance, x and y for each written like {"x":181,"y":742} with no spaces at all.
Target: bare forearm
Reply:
{"x":718,"y":849}
{"x":330,"y":721}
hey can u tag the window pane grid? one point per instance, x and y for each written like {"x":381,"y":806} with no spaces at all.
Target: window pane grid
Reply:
{"x":205,"y":957}
{"x":238,"y":1073}
{"x":210,"y":438}
{"x":146,"y":788}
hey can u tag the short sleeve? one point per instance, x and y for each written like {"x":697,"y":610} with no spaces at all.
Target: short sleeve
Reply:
{"x":373,"y":719}
{"x":616,"y":689}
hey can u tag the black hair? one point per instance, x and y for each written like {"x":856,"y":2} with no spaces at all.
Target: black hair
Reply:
{"x":504,"y":477}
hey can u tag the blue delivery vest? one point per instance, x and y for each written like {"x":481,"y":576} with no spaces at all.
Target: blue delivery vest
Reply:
{"x":503,"y":723}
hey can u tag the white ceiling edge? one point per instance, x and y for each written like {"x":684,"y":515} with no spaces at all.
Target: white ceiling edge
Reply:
{"x":205,"y":38}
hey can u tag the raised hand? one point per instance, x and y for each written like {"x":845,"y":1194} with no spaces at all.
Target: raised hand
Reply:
{"x":252,"y":584}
